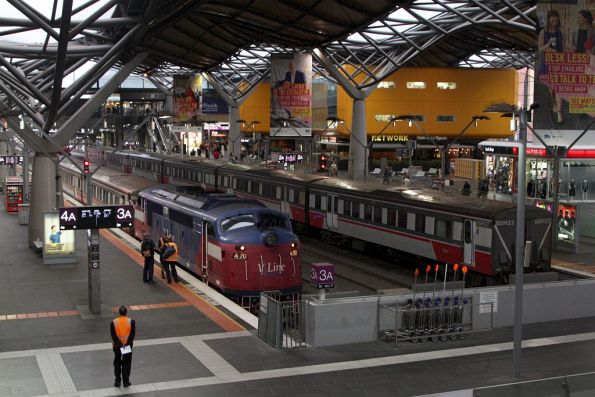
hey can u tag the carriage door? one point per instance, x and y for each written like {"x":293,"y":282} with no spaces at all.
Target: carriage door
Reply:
{"x":469,"y":250}
{"x":204,"y":248}
{"x":332,"y":219}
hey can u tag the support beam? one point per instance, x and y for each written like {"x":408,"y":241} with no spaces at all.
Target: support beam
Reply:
{"x":69,"y":128}
{"x":357,"y":144}
{"x":234,"y":144}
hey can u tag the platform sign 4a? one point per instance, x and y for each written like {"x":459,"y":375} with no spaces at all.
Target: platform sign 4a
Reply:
{"x":322,"y":275}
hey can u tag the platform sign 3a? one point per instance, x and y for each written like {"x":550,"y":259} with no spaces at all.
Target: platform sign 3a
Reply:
{"x":322,"y":275}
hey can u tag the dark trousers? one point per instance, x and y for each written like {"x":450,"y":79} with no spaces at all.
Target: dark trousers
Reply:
{"x":122,"y":365}
{"x":170,"y":270}
{"x":148,"y":269}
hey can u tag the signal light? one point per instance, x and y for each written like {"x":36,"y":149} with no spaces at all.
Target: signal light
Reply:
{"x":86,"y":165}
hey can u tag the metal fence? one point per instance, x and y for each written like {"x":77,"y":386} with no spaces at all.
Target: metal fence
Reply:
{"x":428,"y":320}
{"x":281,"y":323}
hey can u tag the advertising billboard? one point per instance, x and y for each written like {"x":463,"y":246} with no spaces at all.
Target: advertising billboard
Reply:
{"x":565,"y":69}
{"x":291,"y":95}
{"x":58,"y":245}
{"x":187,"y":97}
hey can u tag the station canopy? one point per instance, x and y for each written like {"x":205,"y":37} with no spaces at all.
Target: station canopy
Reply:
{"x":230,"y":41}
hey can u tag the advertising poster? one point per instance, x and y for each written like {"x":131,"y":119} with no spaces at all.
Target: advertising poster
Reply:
{"x":212,"y":103}
{"x":58,"y":245}
{"x":567,"y":224}
{"x":291,"y":95}
{"x":565,"y":69}
{"x":187,"y":97}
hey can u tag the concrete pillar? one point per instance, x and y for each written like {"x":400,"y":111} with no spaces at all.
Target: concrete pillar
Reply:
{"x":358,"y":141}
{"x":234,"y":143}
{"x":43,"y":193}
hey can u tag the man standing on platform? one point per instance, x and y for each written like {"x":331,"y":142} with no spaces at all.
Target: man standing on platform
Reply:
{"x":147,"y":248}
{"x":122,"y":330}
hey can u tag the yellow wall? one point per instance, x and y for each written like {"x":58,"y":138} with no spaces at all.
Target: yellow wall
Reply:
{"x":476,"y":90}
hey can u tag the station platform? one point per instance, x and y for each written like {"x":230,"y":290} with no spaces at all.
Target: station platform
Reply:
{"x":189,"y":343}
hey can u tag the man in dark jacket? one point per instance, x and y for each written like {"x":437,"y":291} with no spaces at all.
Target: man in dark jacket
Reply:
{"x":122,"y":330}
{"x":147,"y":248}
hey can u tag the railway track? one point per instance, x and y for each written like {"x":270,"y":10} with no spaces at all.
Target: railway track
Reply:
{"x":369,"y":274}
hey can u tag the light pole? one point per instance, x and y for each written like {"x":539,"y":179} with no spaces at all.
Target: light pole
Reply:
{"x":337,"y":120}
{"x":520,"y":222}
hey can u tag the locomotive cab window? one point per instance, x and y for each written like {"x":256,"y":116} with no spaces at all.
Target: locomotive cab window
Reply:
{"x":238,"y":222}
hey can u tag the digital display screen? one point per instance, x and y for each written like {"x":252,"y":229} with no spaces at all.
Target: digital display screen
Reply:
{"x":104,"y":217}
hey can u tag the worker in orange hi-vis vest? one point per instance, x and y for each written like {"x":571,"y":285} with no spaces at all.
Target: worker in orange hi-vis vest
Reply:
{"x":122,"y":330}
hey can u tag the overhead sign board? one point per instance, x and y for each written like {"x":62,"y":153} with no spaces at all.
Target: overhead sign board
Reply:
{"x":96,"y":217}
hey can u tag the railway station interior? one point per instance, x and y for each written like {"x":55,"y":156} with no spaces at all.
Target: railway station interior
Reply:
{"x":362,"y":198}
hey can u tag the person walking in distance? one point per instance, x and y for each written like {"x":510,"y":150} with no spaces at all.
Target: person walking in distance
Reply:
{"x":170,"y":257}
{"x":147,"y":248}
{"x":122,"y":330}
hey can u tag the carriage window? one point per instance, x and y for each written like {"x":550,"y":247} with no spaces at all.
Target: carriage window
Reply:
{"x":291,"y":196}
{"x":323,"y":203}
{"x":355,"y":210}
{"x":467,"y":232}
{"x":430,"y":222}
{"x":273,"y":220}
{"x":402,"y":219}
{"x":368,"y":212}
{"x":278,"y":193}
{"x":347,"y":208}
{"x":237,"y":222}
{"x":391,"y":217}
{"x":302,"y":199}
{"x":317,"y":200}
{"x":420,"y":223}
{"x":443,"y":228}
{"x":457,"y":231}
{"x":339,"y":205}
{"x":377,"y":214}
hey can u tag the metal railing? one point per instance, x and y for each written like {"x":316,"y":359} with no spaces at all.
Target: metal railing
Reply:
{"x":281,"y":322}
{"x":427,"y":320}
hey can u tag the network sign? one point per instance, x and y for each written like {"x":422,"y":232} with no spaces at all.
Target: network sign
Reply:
{"x":322,"y":275}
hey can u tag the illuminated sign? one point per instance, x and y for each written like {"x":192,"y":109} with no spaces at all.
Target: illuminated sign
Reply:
{"x":56,"y":242}
{"x":4,"y":160}
{"x":322,"y":275}
{"x":290,"y":158}
{"x":96,"y":217}
{"x":390,"y":138}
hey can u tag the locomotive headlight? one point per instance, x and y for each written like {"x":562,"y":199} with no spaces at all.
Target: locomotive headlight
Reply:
{"x":271,"y":240}
{"x":240,"y":247}
{"x":293,"y":244}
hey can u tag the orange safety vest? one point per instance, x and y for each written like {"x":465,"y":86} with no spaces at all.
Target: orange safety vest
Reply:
{"x":123,"y":326}
{"x":174,"y":256}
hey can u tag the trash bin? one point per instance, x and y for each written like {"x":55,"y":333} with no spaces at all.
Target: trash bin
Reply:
{"x":23,"y":214}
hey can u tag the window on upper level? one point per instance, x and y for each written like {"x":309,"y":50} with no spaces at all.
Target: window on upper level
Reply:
{"x":416,"y":85}
{"x":446,"y":85}
{"x":444,"y":118}
{"x":385,"y":118}
{"x":386,"y":84}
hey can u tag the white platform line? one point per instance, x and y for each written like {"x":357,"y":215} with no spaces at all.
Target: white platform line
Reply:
{"x":108,"y":346}
{"x":333,"y":367}
{"x":55,"y":375}
{"x":208,"y":357}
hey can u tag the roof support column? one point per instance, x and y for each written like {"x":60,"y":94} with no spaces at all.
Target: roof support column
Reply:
{"x":358,"y":142}
{"x":234,"y":144}
{"x":43,"y":192}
